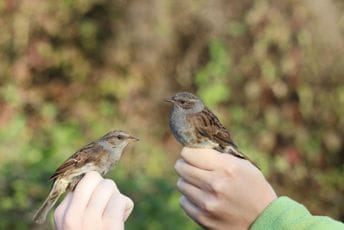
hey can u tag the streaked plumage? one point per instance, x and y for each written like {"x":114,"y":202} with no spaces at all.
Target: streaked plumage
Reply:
{"x":98,"y":156}
{"x":194,"y":125}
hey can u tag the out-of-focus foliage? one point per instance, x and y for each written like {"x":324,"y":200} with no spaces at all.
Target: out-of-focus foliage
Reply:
{"x":72,"y":70}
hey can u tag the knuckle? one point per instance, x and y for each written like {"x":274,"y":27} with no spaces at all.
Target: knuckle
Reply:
{"x":121,"y":200}
{"x":209,"y":206}
{"x":218,"y":185}
{"x":230,"y":171}
{"x":109,"y":184}
{"x":92,"y":175}
{"x":129,"y":202}
{"x":203,"y":220}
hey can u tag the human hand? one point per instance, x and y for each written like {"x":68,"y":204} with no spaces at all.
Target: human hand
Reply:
{"x":221,"y":191}
{"x":96,"y":203}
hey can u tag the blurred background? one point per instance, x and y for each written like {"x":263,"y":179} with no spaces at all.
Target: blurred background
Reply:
{"x":71,"y":70}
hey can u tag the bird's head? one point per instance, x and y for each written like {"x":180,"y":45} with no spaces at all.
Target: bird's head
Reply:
{"x":186,"y":101}
{"x":118,"y":138}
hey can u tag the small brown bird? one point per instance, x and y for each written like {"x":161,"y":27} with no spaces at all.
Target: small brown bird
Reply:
{"x":195,"y":126}
{"x":99,"y":156}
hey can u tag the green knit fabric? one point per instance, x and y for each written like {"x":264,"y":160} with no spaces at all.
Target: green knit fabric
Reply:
{"x":285,"y":213}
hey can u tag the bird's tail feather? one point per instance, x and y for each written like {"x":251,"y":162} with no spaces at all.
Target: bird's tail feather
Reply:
{"x":41,"y":214}
{"x":235,"y":152}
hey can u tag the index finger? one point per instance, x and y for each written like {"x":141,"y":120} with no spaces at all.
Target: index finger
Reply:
{"x":193,"y":175}
{"x":81,"y":197}
{"x":60,"y":211}
{"x":207,"y":159}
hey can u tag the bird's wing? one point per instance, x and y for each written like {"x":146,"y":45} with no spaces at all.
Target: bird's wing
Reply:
{"x":209,"y":126}
{"x":78,"y":159}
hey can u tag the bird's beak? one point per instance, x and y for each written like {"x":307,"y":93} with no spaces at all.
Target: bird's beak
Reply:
{"x":132,"y":138}
{"x":169,"y":100}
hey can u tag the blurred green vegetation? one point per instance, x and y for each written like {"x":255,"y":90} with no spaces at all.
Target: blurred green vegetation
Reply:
{"x":72,"y":70}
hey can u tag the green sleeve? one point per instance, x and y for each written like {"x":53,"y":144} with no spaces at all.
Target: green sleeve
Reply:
{"x":285,"y":213}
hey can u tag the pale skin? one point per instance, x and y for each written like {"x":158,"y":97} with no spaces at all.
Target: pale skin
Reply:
{"x":96,"y":203}
{"x":220,"y":191}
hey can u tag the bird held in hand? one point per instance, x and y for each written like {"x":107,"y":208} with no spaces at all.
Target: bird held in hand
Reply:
{"x":195,"y":126}
{"x":99,"y":156}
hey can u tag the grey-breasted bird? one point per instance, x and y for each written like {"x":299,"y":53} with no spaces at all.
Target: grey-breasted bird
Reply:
{"x":99,"y":156}
{"x":195,"y":126}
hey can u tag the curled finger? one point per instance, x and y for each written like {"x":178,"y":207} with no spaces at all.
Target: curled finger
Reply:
{"x":60,"y":211}
{"x":197,"y":177}
{"x":194,"y":212}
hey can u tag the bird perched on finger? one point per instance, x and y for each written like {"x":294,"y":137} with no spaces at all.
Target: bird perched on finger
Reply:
{"x":195,"y":126}
{"x":100,"y":155}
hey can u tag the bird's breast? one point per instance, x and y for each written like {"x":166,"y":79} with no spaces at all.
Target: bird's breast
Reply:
{"x":180,"y":127}
{"x":110,"y":156}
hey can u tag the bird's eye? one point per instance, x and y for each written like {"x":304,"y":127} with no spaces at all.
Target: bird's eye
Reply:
{"x":182,"y":102}
{"x":119,"y":137}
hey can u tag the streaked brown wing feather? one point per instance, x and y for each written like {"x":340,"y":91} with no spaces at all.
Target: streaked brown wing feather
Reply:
{"x":77,"y":160}
{"x":209,"y":126}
